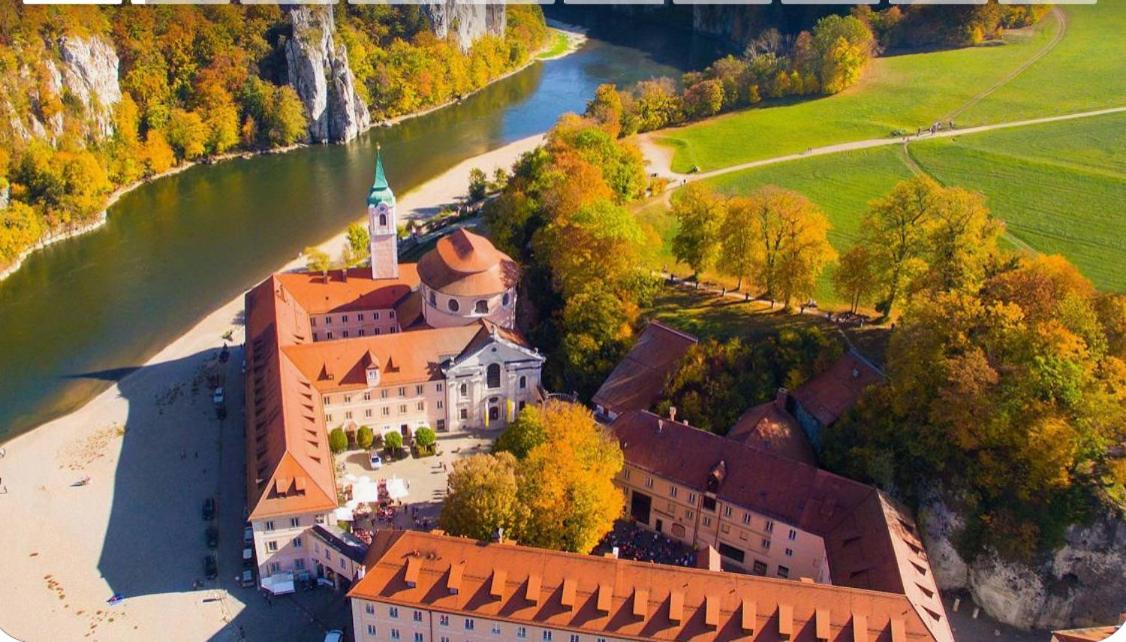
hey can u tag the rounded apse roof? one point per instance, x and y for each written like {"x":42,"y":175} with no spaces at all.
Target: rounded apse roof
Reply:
{"x":467,"y":264}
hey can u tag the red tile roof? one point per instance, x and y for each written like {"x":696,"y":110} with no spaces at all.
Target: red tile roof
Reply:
{"x":620,"y":598}
{"x":467,"y":264}
{"x":768,"y":426}
{"x":1093,"y":634}
{"x":355,"y":293}
{"x":829,"y":395}
{"x":638,"y":380}
{"x":870,"y":542}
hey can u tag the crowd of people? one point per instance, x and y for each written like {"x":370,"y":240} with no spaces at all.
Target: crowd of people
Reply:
{"x":635,"y":543}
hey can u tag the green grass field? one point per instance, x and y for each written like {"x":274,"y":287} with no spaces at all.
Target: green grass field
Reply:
{"x":1081,"y":72}
{"x":559,"y":44}
{"x":1059,"y":188}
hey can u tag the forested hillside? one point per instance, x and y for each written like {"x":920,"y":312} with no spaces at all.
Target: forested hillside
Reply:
{"x":92,"y":99}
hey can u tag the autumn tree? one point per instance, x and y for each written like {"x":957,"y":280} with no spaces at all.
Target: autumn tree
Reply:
{"x":606,"y":109}
{"x":738,"y":244}
{"x":854,"y":279}
{"x":704,"y":98}
{"x":523,"y":434}
{"x":895,"y":232}
{"x":317,"y":260}
{"x":566,"y":484}
{"x":844,"y":45}
{"x":365,"y":437}
{"x":792,"y":243}
{"x":478,"y":184}
{"x":187,"y":134}
{"x":699,"y":213}
{"x":482,"y":497}
{"x":359,"y":240}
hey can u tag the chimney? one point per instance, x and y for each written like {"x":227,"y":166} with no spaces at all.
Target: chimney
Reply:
{"x":672,"y":413}
{"x":708,"y":558}
{"x":780,"y":398}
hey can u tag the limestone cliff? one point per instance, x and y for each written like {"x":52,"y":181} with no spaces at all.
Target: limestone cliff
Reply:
{"x":1079,"y":584}
{"x":468,"y":22}
{"x":319,"y":72}
{"x":78,"y":80}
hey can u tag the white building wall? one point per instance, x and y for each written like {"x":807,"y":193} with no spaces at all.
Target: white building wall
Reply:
{"x":384,"y":242}
{"x":387,"y":408}
{"x":501,"y":308}
{"x":290,"y":542}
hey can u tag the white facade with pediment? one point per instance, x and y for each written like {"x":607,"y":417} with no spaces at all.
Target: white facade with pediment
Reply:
{"x":488,"y":387}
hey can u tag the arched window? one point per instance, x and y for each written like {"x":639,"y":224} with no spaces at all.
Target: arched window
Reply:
{"x":382,"y":220}
{"x":453,"y":305}
{"x":523,"y":382}
{"x":492,"y":375}
{"x":481,"y":307}
{"x":506,"y":300}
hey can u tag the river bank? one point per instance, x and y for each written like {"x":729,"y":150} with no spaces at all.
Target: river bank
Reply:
{"x":575,"y":37}
{"x":156,"y":416}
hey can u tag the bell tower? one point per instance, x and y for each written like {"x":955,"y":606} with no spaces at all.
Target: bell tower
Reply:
{"x":382,"y":225}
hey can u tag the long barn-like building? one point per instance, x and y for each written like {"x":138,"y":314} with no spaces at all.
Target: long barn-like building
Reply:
{"x":395,"y":348}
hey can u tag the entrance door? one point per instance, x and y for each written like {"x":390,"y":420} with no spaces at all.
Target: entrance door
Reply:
{"x":494,"y":413}
{"x":660,"y":526}
{"x":639,"y":506}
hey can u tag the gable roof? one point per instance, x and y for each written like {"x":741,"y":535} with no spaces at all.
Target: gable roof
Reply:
{"x":359,"y":291}
{"x":768,"y":426}
{"x":288,"y":464}
{"x":620,"y":598}
{"x":638,"y":380}
{"x":402,"y":357}
{"x":829,"y":395}
{"x":870,"y":542}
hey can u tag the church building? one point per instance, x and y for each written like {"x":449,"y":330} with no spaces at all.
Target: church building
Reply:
{"x":394,"y":347}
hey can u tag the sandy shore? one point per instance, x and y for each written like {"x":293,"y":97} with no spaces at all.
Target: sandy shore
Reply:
{"x":152,"y":450}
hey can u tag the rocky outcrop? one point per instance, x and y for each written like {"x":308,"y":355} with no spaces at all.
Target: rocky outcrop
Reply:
{"x":80,"y":71}
{"x":468,"y":22}
{"x":732,"y":23}
{"x":319,"y":72}
{"x":1079,"y":584}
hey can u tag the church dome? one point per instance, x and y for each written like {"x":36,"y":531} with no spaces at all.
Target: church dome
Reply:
{"x":467,"y":264}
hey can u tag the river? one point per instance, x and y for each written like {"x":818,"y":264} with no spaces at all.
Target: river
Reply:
{"x":84,"y":312}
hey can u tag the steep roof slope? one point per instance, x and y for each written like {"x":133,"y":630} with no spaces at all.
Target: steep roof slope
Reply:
{"x":638,"y":380}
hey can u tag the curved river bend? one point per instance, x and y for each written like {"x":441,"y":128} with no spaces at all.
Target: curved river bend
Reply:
{"x":81,"y":313}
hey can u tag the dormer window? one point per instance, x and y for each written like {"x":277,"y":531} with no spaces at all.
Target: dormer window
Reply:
{"x":506,"y":300}
{"x":481,"y":307}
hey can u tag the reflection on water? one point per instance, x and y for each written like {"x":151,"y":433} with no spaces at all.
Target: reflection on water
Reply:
{"x":176,"y":249}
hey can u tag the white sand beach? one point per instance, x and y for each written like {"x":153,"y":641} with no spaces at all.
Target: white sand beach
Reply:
{"x":152,"y":449}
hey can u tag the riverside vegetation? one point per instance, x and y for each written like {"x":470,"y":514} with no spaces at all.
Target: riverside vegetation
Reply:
{"x":196,"y":82}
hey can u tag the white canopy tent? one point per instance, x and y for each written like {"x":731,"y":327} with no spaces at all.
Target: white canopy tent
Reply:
{"x":279,"y":583}
{"x":343,"y":514}
{"x":396,"y":488}
{"x":365,"y":490}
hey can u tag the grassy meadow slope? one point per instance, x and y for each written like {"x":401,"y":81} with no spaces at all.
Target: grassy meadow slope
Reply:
{"x":897,"y":92}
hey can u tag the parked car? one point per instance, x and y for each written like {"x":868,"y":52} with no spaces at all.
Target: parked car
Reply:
{"x":335,"y":635}
{"x":248,"y":557}
{"x":209,"y":509}
{"x":246,"y":580}
{"x":248,"y":535}
{"x":210,"y":567}
{"x":212,"y":537}
{"x":217,"y":397}
{"x":376,"y":461}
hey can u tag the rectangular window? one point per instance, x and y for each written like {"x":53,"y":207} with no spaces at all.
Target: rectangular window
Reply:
{"x":344,"y":318}
{"x":574,"y":637}
{"x":418,"y":637}
{"x":421,"y":406}
{"x":299,"y":564}
{"x":769,"y":526}
{"x":648,"y":482}
{"x":383,"y":394}
{"x":369,"y":609}
{"x":371,"y":629}
{"x":464,"y":413}
{"x":765,"y":544}
{"x":402,"y":391}
{"x":469,"y":624}
{"x":402,"y":409}
{"x":672,"y":491}
{"x":328,"y":335}
{"x":547,"y":636}
{"x":727,"y":511}
{"x":689,"y":514}
{"x":691,"y":498}
{"x":328,"y":417}
{"x":367,"y":396}
{"x":375,"y":315}
{"x":393,"y":612}
{"x":345,"y":334}
{"x":438,"y":387}
{"x":296,"y":542}
{"x":783,"y":571}
{"x":495,"y":630}
{"x":418,"y":390}
{"x":441,"y":424}
{"x":367,"y":412}
{"x":760,"y":568}
{"x":360,"y":316}
{"x":789,"y":552}
{"x":418,"y":616}
{"x":793,"y":534}
{"x":625,"y":473}
{"x":747,"y":518}
{"x":360,"y":332}
{"x":274,"y":567}
{"x":521,"y":632}
{"x":272,"y":546}
{"x":312,"y":322}
{"x":326,"y":400}
{"x":443,"y":620}
{"x":347,"y":398}
{"x":386,"y":411}
{"x":270,"y":525}
{"x":441,"y":404}
{"x":347,"y":414}
{"x":707,"y":521}
{"x":709,"y":503}
{"x":394,"y":634}
{"x":328,"y":320}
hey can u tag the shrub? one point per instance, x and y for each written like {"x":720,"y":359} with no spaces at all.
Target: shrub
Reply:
{"x":364,"y":437}
{"x":337,"y":440}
